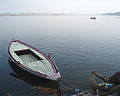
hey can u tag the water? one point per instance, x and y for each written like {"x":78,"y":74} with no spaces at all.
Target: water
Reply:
{"x":78,"y":45}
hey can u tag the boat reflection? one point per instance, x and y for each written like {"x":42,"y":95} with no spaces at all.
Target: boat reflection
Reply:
{"x":46,"y":87}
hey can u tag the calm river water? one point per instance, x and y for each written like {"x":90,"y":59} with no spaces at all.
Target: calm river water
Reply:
{"x":78,"y":45}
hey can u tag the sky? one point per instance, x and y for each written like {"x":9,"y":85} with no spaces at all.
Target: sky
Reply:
{"x":60,"y":6}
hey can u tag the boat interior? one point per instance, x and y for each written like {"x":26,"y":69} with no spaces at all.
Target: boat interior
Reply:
{"x":31,"y":58}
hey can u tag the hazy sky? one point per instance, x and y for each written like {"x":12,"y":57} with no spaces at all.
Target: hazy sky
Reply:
{"x":60,"y":6}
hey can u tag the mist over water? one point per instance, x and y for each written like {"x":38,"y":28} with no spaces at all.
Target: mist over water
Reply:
{"x":78,"y":45}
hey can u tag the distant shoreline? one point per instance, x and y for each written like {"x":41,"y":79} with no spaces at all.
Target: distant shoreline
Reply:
{"x":40,"y":14}
{"x":112,"y":14}
{"x":28,"y":14}
{"x":55,"y":14}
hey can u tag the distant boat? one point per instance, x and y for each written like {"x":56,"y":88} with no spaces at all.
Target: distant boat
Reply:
{"x":92,"y":17}
{"x":33,"y":61}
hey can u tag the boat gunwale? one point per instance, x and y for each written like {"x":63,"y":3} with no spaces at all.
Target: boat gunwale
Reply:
{"x":30,"y":70}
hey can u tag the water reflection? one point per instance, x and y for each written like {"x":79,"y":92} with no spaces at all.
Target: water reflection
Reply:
{"x":45,"y":87}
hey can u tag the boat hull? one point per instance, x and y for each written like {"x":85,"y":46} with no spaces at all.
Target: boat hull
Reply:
{"x":55,"y":77}
{"x":22,"y":72}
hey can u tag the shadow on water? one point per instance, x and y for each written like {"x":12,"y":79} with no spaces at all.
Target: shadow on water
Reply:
{"x":45,"y":87}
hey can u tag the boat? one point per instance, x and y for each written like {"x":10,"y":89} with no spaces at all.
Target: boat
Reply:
{"x":32,"y":60}
{"x":92,"y":17}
